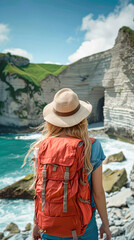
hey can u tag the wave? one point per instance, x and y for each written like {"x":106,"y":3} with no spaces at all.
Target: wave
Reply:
{"x":8,"y":180}
{"x":14,"y":156}
{"x":18,"y":211}
{"x":28,"y":137}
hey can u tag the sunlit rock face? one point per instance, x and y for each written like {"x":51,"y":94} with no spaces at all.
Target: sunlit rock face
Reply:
{"x":105,"y":79}
{"x":85,"y":78}
{"x":119,"y":88}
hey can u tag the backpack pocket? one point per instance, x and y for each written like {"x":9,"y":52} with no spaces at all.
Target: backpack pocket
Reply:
{"x":56,"y":170}
{"x":58,"y":226}
{"x":84,"y":200}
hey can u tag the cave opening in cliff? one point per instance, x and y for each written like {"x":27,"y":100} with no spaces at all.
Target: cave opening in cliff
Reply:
{"x":97,"y":100}
{"x":100,"y":105}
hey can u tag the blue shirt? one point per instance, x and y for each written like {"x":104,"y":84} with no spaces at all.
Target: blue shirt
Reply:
{"x":97,"y":157}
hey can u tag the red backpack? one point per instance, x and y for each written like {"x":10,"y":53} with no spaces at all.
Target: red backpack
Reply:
{"x":62,"y":197}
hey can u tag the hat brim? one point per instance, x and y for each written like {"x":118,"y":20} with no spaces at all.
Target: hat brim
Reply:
{"x":68,"y":121}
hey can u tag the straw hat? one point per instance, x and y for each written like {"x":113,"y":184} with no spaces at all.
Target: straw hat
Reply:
{"x":66,"y":110}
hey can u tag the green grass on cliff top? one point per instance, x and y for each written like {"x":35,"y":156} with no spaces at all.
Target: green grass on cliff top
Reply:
{"x":34,"y":72}
{"x":130,"y":32}
{"x":127,"y":29}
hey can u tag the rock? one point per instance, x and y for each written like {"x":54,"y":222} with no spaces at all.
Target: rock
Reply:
{"x":132,"y":172}
{"x":12,"y":228}
{"x":119,"y":199}
{"x":130,"y":236}
{"x":132,"y":186}
{"x":132,"y":211}
{"x":130,"y":200}
{"x":129,"y":227}
{"x":121,"y":215}
{"x":128,"y":215}
{"x":28,"y":227}
{"x":10,"y":235}
{"x":29,"y":236}
{"x":118,"y":157}
{"x":118,"y":213}
{"x":114,"y":180}
{"x":130,"y":230}
{"x":118,"y":223}
{"x":22,"y":236}
{"x":121,"y":238}
{"x":20,"y":189}
{"x":116,"y":231}
{"x":124,"y":221}
{"x":132,"y":179}
{"x":1,"y":235}
{"x":111,"y":223}
{"x":25,"y":235}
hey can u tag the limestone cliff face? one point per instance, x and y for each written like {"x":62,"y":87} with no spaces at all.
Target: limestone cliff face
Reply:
{"x":22,"y":102}
{"x":119,"y":88}
{"x":105,"y":79}
{"x":85,"y":78}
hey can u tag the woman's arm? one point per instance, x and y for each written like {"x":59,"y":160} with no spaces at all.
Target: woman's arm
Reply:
{"x":100,"y":201}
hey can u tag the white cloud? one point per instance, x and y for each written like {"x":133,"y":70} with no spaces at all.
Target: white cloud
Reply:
{"x":20,"y":52}
{"x":102,"y":32}
{"x":48,"y":62}
{"x":4,"y":30}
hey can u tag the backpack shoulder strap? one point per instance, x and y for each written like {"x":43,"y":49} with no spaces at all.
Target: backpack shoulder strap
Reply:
{"x":92,"y":140}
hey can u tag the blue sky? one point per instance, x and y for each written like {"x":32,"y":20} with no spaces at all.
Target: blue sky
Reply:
{"x":61,"y":31}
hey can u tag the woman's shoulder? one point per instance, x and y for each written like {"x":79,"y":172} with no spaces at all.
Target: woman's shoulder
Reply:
{"x":96,"y":147}
{"x":97,"y":154}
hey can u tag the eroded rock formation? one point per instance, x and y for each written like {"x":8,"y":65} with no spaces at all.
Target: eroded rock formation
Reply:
{"x":114,"y":180}
{"x":20,"y":189}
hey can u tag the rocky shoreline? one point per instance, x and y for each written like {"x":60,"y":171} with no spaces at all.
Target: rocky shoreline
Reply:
{"x":120,"y":207}
{"x":121,"y":218}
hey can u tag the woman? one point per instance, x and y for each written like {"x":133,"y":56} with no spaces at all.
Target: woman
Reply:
{"x":66,"y":119}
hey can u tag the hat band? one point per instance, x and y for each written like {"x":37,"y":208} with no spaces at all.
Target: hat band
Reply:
{"x":66,"y":114}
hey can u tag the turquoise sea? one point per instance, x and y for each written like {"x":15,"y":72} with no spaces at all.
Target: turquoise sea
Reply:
{"x":13,"y":148}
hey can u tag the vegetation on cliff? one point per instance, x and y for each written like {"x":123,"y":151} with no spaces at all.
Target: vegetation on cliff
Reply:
{"x":130,"y":34}
{"x":9,"y":56}
{"x":31,"y":72}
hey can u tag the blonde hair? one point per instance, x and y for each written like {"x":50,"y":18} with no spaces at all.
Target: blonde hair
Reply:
{"x":78,"y":131}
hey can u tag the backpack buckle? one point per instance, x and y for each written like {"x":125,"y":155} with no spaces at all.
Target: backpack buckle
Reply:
{"x":65,"y":182}
{"x":41,"y":231}
{"x":55,"y":167}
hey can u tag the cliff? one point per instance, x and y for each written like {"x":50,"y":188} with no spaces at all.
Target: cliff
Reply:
{"x":16,"y":60}
{"x":105,"y":79}
{"x":119,"y":86}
